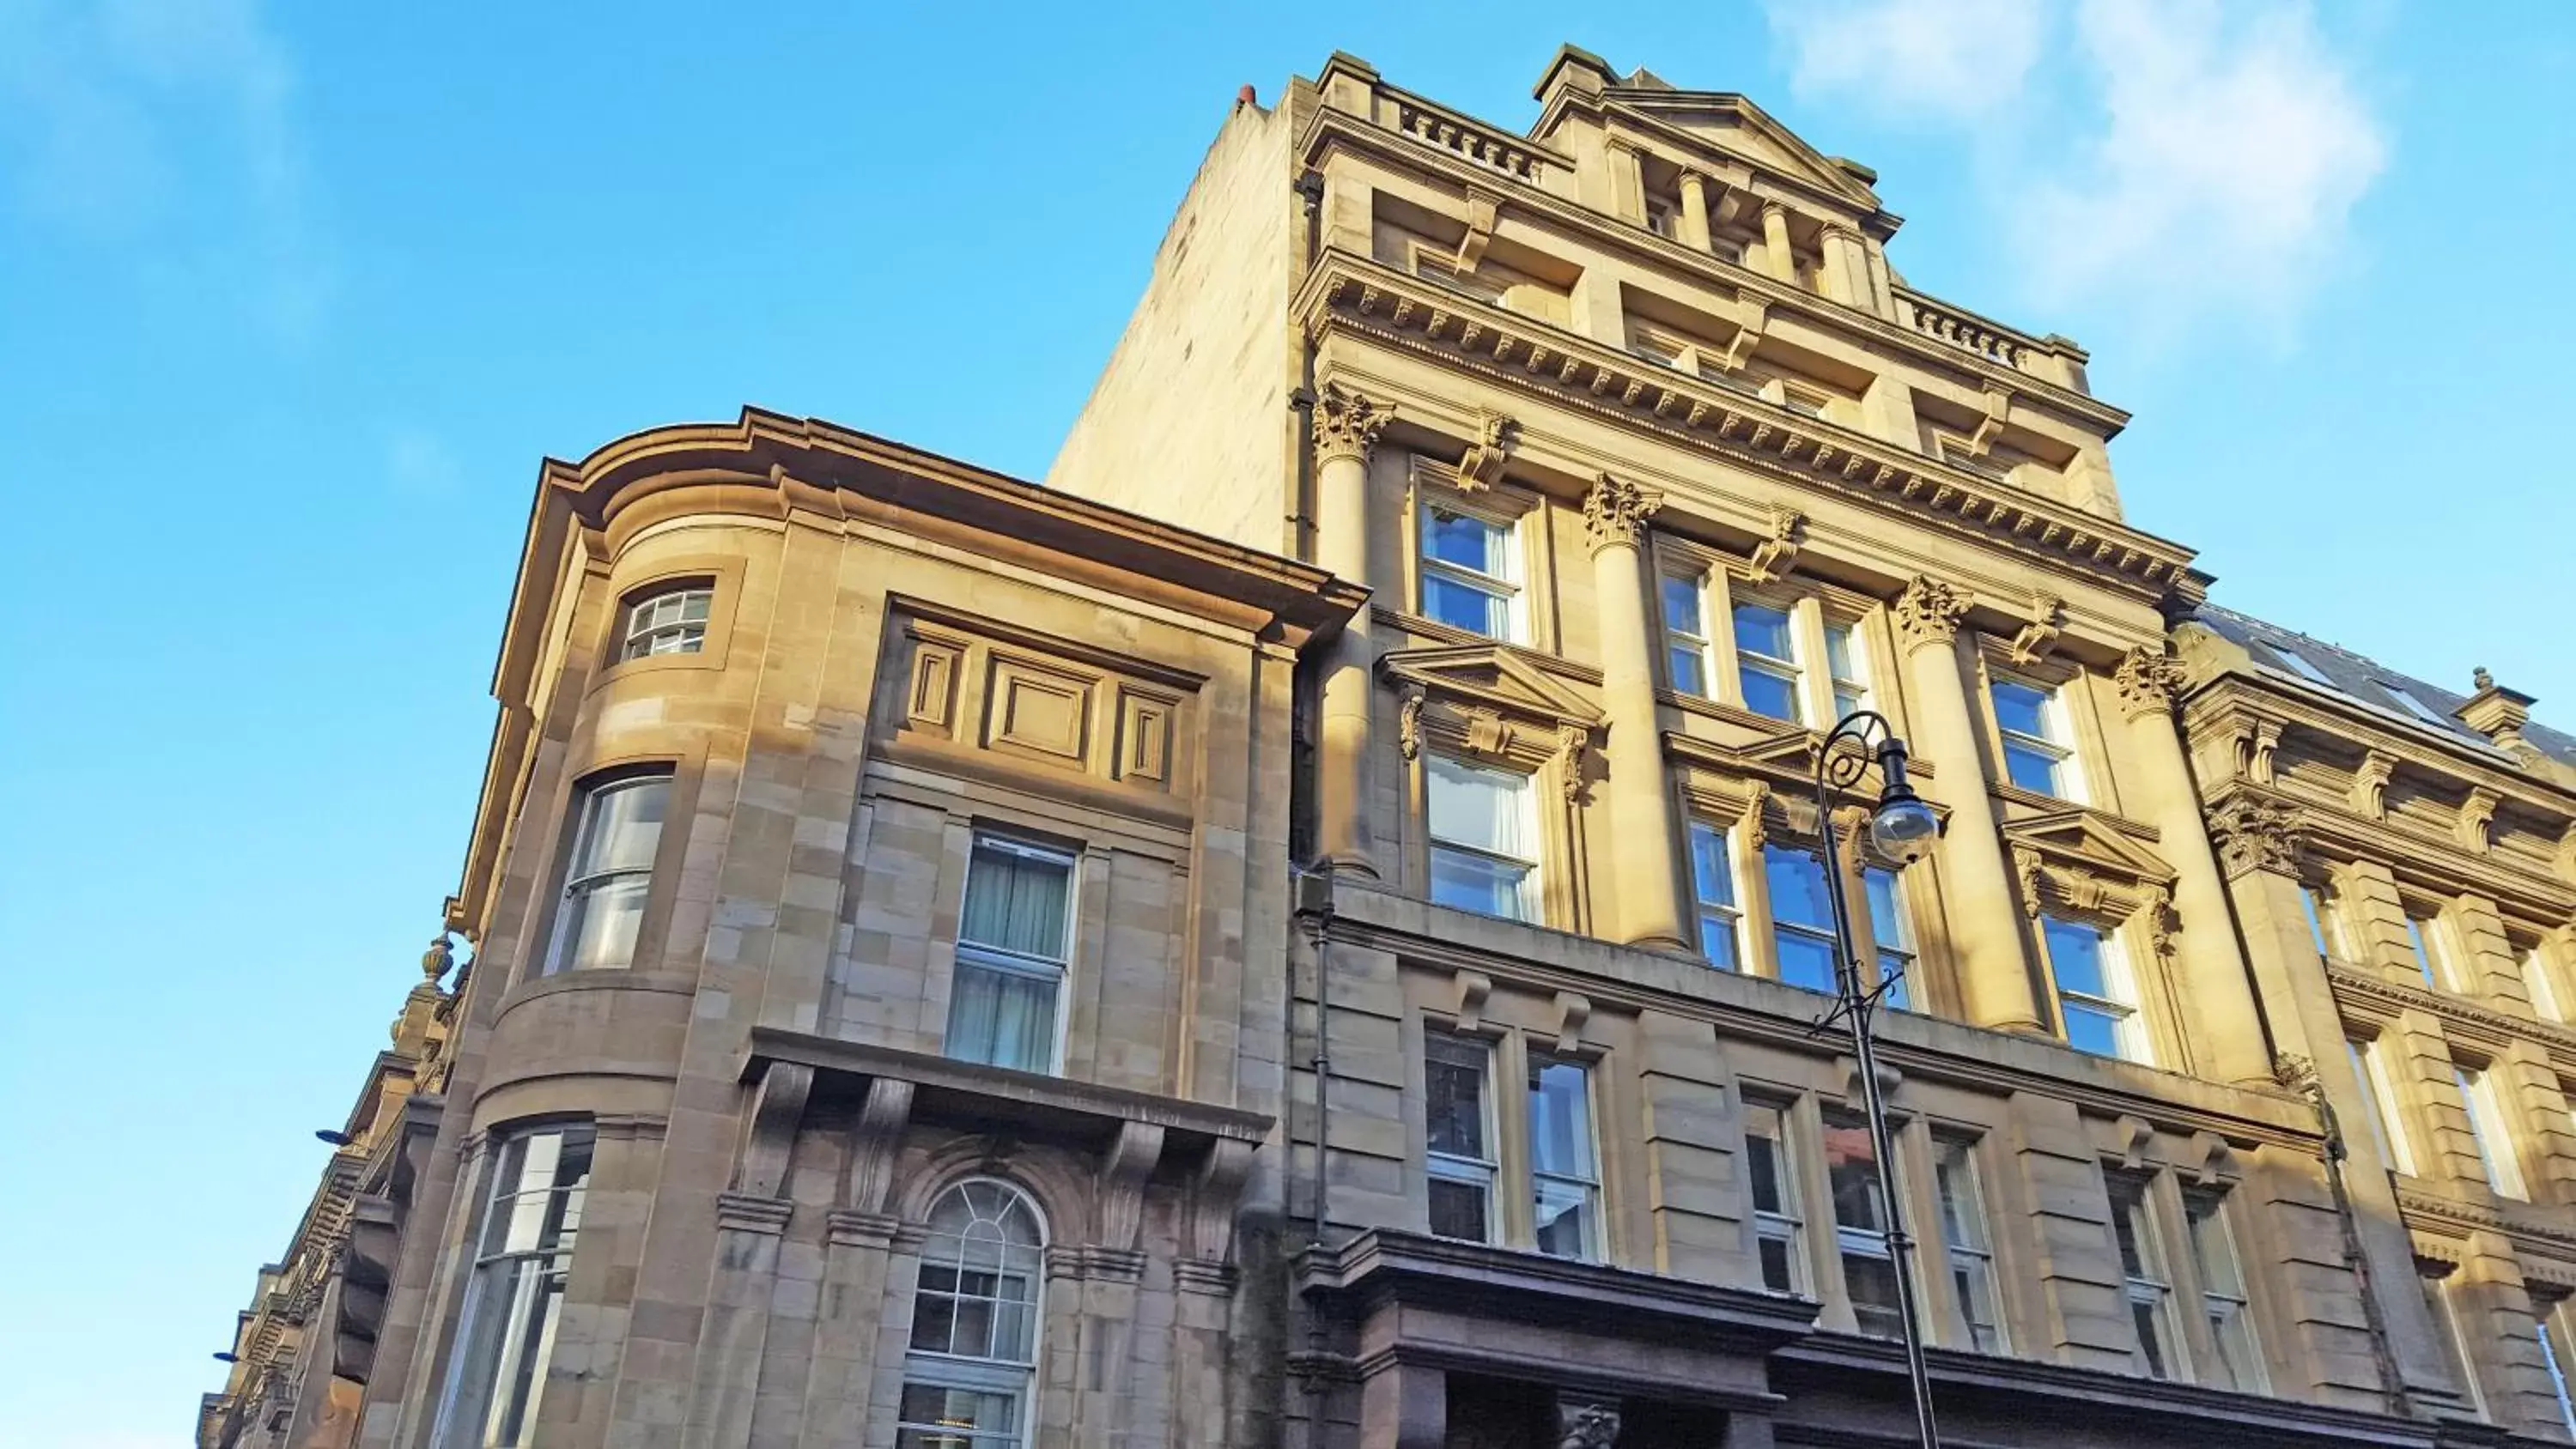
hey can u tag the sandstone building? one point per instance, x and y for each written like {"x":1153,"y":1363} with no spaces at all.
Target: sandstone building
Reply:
{"x":1308,"y":930}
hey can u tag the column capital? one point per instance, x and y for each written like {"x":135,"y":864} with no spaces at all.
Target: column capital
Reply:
{"x":1347,"y":424}
{"x":2149,"y":681}
{"x":1772,"y":208}
{"x":1928,"y":613}
{"x":2255,"y":834}
{"x":1616,"y":510}
{"x":1693,"y":176}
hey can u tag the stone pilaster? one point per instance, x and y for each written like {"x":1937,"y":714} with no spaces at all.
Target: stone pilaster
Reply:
{"x":1644,"y":845}
{"x":1985,"y":930}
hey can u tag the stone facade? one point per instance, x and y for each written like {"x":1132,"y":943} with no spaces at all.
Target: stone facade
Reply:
{"x":1418,"y":873}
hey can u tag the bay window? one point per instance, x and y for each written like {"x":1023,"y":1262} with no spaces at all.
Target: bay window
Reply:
{"x":514,"y":1291}
{"x":609,"y":875}
{"x":669,"y":620}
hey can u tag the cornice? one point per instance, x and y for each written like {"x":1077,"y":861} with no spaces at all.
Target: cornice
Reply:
{"x":2336,"y":714}
{"x":1793,"y":1031}
{"x":2457,"y":1214}
{"x":1365,"y":298}
{"x":2485,"y":1026}
{"x":1612,"y":233}
{"x":2328,"y":828}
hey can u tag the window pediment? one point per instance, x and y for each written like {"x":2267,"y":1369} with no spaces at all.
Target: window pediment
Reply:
{"x":2079,"y":841}
{"x":1494,"y":678}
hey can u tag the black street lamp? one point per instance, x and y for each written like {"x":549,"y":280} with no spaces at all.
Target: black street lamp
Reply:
{"x":1902,"y":827}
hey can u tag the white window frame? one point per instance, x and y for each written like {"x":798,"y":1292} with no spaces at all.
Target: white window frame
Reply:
{"x":1700,"y":644}
{"x":1717,"y":842}
{"x":660,"y":616}
{"x":586,"y":881}
{"x":1792,"y":670}
{"x":503,"y":1378}
{"x":2378,"y":1088}
{"x":2490,"y":1129}
{"x":1967,"y":1240}
{"x":1001,"y":961}
{"x":2537,"y":983}
{"x":1585,"y":1180}
{"x":2321,"y":920}
{"x":2224,"y":1299}
{"x":1017,"y":1380}
{"x":2129,"y":1022}
{"x":2439,"y":1300}
{"x":2148,"y":1285}
{"x":2430,"y":942}
{"x":1531,"y":903}
{"x":1511,"y":587}
{"x":1855,"y":651}
{"x":1481,"y":1173}
{"x":2058,"y":745}
{"x":1788,"y":1225}
{"x":2550,"y":1329}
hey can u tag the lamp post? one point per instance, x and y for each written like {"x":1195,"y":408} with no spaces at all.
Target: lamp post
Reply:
{"x":1903,"y":828}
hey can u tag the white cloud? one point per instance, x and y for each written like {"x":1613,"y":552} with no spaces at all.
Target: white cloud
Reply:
{"x":166,"y":126}
{"x":1953,"y":58}
{"x":2180,"y":163}
{"x":2226,"y":171}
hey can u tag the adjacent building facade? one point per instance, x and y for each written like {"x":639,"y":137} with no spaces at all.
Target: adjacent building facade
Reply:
{"x":1309,"y":929}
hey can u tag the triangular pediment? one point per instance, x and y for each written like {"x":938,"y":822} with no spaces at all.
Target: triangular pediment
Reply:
{"x":1491,"y":675}
{"x":2080,"y":836}
{"x":1737,"y":126}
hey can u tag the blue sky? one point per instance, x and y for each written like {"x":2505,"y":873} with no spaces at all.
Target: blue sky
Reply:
{"x":293,"y":299}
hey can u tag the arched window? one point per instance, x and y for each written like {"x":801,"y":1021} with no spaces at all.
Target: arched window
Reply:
{"x":974,"y":1351}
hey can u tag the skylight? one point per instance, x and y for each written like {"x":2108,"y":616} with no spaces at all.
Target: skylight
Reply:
{"x":2298,"y":664}
{"x":2409,"y":703}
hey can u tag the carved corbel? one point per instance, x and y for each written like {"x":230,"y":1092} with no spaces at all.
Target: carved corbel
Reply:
{"x":1469,"y":990}
{"x":2369,"y":795}
{"x":1572,"y":1010}
{"x":2476,"y":825}
{"x":1998,"y":400}
{"x":1750,"y":321}
{"x":2212,"y":1160}
{"x":1586,"y":1423}
{"x":1123,"y":1170}
{"x":1754,"y":821}
{"x":2259,"y":756}
{"x":2039,"y":636}
{"x":2161,"y":919}
{"x":1774,"y":556}
{"x":2135,"y":1133}
{"x":1214,"y":1196}
{"x":1483,"y":208}
{"x":769,"y":1129}
{"x":2026,"y":866}
{"x":1572,"y":746}
{"x":1408,"y":725}
{"x":1851,"y":832}
{"x":876,"y":1141}
{"x":1481,"y":466}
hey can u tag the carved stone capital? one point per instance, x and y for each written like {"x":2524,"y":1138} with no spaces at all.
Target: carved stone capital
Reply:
{"x":2254,"y":834}
{"x":1347,"y":424}
{"x":1928,"y":613}
{"x":2149,"y":680}
{"x":1615,"y":512}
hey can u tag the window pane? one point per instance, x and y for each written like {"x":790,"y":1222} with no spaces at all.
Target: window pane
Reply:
{"x":1454,"y":1085}
{"x":1016,"y":898}
{"x":1851,"y":1162}
{"x":1688,"y":667}
{"x":2031,"y":768}
{"x":1002,"y":1018}
{"x":1681,"y":606}
{"x":1467,"y":542}
{"x":2552,"y":1348}
{"x":1871,"y":1282}
{"x":2316,"y":910}
{"x":625,"y":825}
{"x":1713,"y":885}
{"x":936,"y":1417}
{"x":1487,"y":809}
{"x":1458,"y":1211}
{"x":2022,"y":709}
{"x":1763,"y":1159}
{"x":2075,"y":956}
{"x":1797,"y":882}
{"x":1767,"y":693}
{"x":514,"y":1298}
{"x":1560,"y":1118}
{"x":2213,"y":1252}
{"x":1761,"y":629}
{"x":2420,"y":937}
{"x":600,"y":922}
{"x":1463,"y":606}
{"x":1963,"y":1219}
{"x":1806,"y":962}
{"x":1778,"y":1271}
{"x":2090,"y":1029}
{"x":1475,"y":883}
{"x":1564,"y":1218}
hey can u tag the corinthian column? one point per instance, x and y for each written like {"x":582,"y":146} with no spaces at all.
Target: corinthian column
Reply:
{"x":1985,"y":925}
{"x":2209,"y":969}
{"x":1644,"y":849}
{"x":1346,"y":429}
